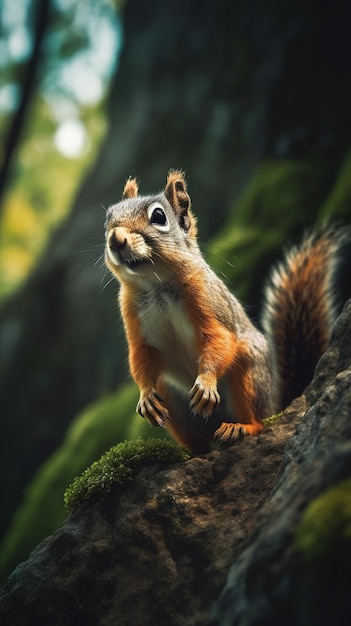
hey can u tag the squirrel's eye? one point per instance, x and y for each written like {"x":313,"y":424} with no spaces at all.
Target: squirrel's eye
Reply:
{"x":158,"y":217}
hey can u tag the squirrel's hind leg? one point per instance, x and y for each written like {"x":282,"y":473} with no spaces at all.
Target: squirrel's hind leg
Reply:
{"x":230,"y":432}
{"x":247,"y":409}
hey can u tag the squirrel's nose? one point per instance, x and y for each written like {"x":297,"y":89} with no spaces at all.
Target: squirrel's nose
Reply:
{"x":117,"y":239}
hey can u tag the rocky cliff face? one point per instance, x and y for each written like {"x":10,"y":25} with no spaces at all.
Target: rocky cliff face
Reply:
{"x":254,"y":535}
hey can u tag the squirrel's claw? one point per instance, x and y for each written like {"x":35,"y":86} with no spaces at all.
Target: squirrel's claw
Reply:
{"x":204,"y":397}
{"x":151,"y":407}
{"x":229,"y":433}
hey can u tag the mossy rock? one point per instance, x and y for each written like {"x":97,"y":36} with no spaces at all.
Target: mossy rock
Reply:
{"x":118,"y":467}
{"x":242,"y":259}
{"x":102,"y":424}
{"x":338,"y":203}
{"x":324,"y":533}
{"x":281,"y":201}
{"x":283,"y":194}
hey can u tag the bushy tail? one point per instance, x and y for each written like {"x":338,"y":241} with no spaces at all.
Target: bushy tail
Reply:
{"x":301,"y":305}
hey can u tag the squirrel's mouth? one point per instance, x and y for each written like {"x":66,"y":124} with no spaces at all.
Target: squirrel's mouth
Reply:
{"x":129,"y":250}
{"x":119,"y":259}
{"x":134,"y":263}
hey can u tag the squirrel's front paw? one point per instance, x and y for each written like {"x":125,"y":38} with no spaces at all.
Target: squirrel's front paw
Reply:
{"x":204,"y":396}
{"x":151,"y":407}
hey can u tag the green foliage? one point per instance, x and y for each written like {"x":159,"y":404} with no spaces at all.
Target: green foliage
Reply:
{"x":43,"y":182}
{"x":324,"y":533}
{"x":118,"y":467}
{"x":101,"y":425}
{"x":281,"y":200}
{"x":270,"y":421}
{"x":41,"y":193}
{"x":338,"y":203}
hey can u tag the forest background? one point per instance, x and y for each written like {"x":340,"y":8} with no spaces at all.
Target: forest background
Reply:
{"x":251,"y":99}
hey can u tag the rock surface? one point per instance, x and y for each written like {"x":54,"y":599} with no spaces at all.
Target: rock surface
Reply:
{"x":161,"y":552}
{"x":268,"y":584}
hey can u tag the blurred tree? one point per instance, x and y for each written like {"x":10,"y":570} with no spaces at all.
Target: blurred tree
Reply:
{"x":66,"y":122}
{"x":41,"y":13}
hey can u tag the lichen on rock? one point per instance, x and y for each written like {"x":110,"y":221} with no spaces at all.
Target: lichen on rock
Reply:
{"x":324,"y":533}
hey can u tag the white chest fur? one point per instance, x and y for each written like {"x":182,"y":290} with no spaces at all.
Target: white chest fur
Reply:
{"x":166,"y":326}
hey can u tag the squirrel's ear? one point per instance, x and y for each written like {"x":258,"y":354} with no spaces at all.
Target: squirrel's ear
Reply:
{"x":177,"y":195}
{"x":130,"y":188}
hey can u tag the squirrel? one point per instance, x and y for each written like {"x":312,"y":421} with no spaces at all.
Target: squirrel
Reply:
{"x":204,"y":371}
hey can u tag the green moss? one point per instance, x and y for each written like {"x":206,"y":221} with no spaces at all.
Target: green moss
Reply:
{"x":270,"y":421}
{"x":281,"y":200}
{"x":118,"y":467}
{"x":242,"y":259}
{"x":282,"y":194}
{"x":324,"y":532}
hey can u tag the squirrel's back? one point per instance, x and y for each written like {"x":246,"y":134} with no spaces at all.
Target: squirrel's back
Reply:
{"x":300,"y":307}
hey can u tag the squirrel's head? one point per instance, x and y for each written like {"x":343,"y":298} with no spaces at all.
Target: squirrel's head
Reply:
{"x":148,"y":237}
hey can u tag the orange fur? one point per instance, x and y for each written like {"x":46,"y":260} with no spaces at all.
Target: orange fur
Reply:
{"x":130,"y":188}
{"x":217,"y":345}
{"x":144,"y":360}
{"x":242,"y":390}
{"x":243,"y":399}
